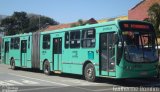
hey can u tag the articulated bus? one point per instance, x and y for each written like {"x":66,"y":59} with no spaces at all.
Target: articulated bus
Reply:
{"x":116,"y":49}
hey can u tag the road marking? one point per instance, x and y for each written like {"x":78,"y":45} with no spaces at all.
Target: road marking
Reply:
{"x":40,"y":80}
{"x":14,"y":82}
{"x":2,"y":83}
{"x":81,"y":82}
{"x":33,"y":89}
{"x":55,"y":83}
{"x":29,"y":82}
{"x":103,"y":89}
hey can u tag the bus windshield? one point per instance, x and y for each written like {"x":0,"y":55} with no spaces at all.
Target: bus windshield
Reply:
{"x":140,"y":46}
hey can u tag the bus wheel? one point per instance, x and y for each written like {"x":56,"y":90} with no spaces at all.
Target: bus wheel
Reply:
{"x":12,"y":62}
{"x":89,"y":72}
{"x":46,"y":68}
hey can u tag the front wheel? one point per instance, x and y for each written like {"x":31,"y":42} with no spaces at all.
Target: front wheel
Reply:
{"x":46,"y":68}
{"x":89,"y":72}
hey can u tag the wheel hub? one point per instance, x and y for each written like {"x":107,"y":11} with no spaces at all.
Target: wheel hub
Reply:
{"x":46,"y":69}
{"x":90,"y":72}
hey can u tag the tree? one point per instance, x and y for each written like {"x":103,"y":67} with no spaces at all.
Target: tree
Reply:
{"x":74,"y":25}
{"x":154,"y":17}
{"x":80,"y":22}
{"x":21,"y":22}
{"x":38,"y":22}
{"x":8,"y":24}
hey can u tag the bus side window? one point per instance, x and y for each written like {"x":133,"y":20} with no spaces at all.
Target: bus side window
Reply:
{"x":24,"y":47}
{"x":66,"y":40}
{"x":12,"y":43}
{"x":46,"y":41}
{"x":75,"y":39}
{"x":88,"y":38}
{"x":16,"y":43}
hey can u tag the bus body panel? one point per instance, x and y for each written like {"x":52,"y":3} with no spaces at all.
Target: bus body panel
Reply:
{"x":103,"y":55}
{"x":133,"y":70}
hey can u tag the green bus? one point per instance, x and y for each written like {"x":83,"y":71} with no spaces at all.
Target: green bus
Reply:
{"x":116,"y":49}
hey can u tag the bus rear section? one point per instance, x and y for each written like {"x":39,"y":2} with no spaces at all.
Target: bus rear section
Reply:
{"x":16,"y":51}
{"x":137,"y":55}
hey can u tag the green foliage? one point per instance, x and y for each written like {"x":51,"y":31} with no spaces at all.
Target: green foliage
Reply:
{"x":37,"y":22}
{"x":21,"y":22}
{"x":8,"y":23}
{"x":154,"y":17}
{"x":80,"y":22}
{"x":74,"y":25}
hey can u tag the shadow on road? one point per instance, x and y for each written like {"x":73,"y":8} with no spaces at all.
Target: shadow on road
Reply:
{"x":119,"y":82}
{"x":133,"y":82}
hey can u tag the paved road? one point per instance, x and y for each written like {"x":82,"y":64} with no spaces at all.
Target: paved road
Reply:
{"x":26,"y":80}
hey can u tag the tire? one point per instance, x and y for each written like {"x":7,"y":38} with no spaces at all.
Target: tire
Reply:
{"x":89,"y":72}
{"x":12,"y":63}
{"x":46,"y":68}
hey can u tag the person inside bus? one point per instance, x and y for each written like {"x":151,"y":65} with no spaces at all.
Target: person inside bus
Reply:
{"x":130,"y":38}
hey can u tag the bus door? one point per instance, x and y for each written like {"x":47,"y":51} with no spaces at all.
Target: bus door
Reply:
{"x":57,"y":53}
{"x":6,"y":52}
{"x":23,"y":52}
{"x":107,"y":54}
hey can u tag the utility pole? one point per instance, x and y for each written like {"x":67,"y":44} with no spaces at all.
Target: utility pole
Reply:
{"x":39,"y":21}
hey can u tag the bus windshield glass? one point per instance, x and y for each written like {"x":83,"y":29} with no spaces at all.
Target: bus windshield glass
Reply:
{"x":140,"y":46}
{"x":139,"y":41}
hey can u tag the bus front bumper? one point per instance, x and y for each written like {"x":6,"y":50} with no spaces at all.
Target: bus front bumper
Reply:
{"x":122,"y":73}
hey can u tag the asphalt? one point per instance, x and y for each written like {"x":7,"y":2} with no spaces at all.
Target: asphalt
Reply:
{"x":27,"y":80}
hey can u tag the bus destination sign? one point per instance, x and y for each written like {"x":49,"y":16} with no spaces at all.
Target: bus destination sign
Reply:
{"x":127,"y":25}
{"x":136,"y":26}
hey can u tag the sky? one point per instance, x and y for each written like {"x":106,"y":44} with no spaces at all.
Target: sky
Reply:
{"x":66,"y":11}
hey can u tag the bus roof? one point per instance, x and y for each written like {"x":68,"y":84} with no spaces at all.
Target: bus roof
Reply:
{"x":82,"y":27}
{"x":116,"y":22}
{"x":18,"y":35}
